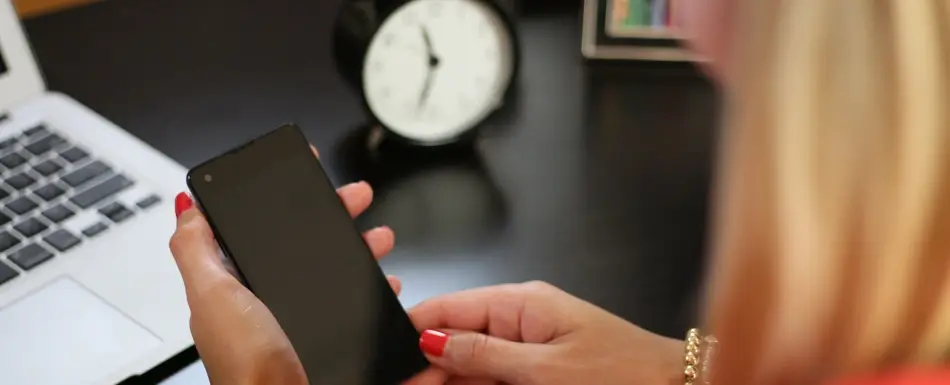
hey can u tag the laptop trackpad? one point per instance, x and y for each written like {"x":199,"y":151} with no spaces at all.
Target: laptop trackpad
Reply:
{"x":64,"y":334}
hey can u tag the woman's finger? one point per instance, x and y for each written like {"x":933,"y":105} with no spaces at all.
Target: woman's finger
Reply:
{"x":395,"y":284}
{"x":474,"y":309}
{"x":477,"y":355}
{"x":194,"y":248}
{"x":380,"y":240}
{"x":356,"y":197}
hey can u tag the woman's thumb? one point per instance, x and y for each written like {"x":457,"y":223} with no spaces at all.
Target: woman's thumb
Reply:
{"x":476,"y":355}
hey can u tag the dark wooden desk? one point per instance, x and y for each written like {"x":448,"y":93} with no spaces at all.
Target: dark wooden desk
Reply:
{"x":598,"y":183}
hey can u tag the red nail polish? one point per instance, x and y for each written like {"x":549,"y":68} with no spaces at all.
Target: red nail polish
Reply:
{"x":182,"y":203}
{"x":433,"y":342}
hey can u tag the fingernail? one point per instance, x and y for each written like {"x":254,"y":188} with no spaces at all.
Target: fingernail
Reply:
{"x":433,"y":342}
{"x":182,"y":203}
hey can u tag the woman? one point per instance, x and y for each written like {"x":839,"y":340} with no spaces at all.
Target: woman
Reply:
{"x":830,"y":254}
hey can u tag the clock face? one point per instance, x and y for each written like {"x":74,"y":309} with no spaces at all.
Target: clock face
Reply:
{"x":437,"y":68}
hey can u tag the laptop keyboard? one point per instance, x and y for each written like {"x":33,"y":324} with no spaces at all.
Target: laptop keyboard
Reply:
{"x":46,"y":180}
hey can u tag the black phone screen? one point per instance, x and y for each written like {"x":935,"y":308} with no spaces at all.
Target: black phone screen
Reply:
{"x":277,"y":216}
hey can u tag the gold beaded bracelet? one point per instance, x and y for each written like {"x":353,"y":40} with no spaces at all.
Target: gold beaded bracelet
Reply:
{"x":700,"y":353}
{"x":692,"y":356}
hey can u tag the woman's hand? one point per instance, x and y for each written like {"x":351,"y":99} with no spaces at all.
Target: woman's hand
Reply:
{"x":536,"y":334}
{"x":237,"y":337}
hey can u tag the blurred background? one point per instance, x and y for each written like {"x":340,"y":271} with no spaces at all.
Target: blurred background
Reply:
{"x":593,"y":175}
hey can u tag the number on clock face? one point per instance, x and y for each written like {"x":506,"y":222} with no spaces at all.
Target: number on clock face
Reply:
{"x":437,"y":68}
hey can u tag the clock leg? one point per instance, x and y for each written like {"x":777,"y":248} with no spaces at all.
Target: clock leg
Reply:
{"x":375,"y":137}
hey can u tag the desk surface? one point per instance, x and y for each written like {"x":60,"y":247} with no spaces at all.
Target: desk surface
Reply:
{"x":598,"y":182}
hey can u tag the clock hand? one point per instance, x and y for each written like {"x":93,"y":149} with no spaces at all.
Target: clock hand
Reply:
{"x":427,"y":40}
{"x":433,"y":64}
{"x":433,"y":60}
{"x":426,"y":88}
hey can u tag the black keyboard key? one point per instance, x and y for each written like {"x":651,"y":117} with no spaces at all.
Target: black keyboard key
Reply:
{"x":50,"y":191}
{"x":148,"y":201}
{"x":116,"y":212}
{"x":6,"y":273}
{"x":12,"y":160}
{"x":101,"y":191}
{"x":30,"y":227}
{"x":20,"y":181}
{"x":95,"y":229}
{"x":58,"y":213}
{"x":30,"y":256}
{"x":74,"y":154}
{"x":111,"y":208}
{"x":47,"y":168}
{"x":4,"y":193}
{"x":7,"y":143}
{"x":62,"y":240}
{"x":4,"y":219}
{"x":7,"y":241}
{"x":86,"y":173}
{"x":21,"y":205}
{"x":44,"y":145}
{"x":41,"y":129}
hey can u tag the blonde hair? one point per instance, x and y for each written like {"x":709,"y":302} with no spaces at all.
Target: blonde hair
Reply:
{"x":833,"y":246}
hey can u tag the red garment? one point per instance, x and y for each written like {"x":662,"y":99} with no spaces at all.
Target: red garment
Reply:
{"x":932,"y":376}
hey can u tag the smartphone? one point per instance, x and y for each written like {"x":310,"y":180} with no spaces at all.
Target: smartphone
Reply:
{"x":277,"y":217}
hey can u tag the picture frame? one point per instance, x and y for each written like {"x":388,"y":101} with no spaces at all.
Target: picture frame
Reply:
{"x":632,"y":30}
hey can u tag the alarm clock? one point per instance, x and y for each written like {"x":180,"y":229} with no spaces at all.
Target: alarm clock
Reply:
{"x":429,"y":72}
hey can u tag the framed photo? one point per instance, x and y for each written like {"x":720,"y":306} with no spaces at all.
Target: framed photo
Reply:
{"x":632,"y":30}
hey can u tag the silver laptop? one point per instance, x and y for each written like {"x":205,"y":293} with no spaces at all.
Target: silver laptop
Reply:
{"x":89,"y":293}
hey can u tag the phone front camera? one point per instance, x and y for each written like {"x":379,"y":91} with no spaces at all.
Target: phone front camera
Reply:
{"x":208,"y":178}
